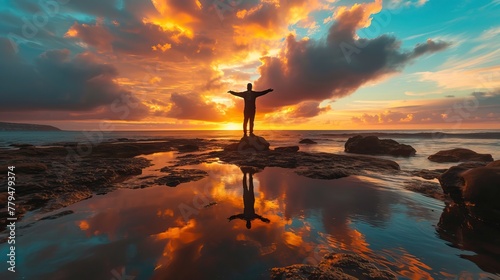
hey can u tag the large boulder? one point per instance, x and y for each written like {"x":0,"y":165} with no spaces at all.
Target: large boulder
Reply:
{"x":477,"y":186}
{"x":459,"y":154}
{"x":452,"y":182}
{"x":249,"y":143}
{"x":482,"y":186}
{"x":372,"y":145}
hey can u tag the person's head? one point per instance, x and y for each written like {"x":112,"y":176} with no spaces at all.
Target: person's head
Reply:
{"x":249,"y":86}
{"x":249,"y":225}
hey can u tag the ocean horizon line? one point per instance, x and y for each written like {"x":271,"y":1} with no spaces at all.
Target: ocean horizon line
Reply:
{"x":174,"y":130}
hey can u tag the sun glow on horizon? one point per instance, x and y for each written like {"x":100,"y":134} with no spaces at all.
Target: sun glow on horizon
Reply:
{"x":231,"y":126}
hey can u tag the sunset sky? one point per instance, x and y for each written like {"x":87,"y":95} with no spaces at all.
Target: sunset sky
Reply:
{"x":333,"y":64}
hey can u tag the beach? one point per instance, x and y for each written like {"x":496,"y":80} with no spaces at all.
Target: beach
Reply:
{"x":156,"y":206}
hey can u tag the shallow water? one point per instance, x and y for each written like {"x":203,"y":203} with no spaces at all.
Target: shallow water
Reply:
{"x":184,"y":232}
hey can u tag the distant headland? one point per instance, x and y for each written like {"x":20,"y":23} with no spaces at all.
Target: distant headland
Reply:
{"x":5,"y":126}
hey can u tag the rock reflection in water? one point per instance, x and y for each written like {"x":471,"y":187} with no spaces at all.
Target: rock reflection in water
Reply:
{"x":467,"y":229}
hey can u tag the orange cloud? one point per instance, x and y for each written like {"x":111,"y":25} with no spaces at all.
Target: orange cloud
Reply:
{"x":162,"y":48}
{"x":362,"y":14}
{"x":270,"y":20}
{"x":479,"y":107}
{"x":177,"y":12}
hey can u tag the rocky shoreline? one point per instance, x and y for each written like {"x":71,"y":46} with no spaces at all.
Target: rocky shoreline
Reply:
{"x":50,"y":178}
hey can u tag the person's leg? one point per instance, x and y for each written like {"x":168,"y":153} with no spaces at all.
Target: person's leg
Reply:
{"x":252,"y":118}
{"x":245,"y":121}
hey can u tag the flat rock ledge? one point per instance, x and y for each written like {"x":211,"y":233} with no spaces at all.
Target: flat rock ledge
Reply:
{"x":175,"y":177}
{"x":335,"y":266}
{"x":311,"y":165}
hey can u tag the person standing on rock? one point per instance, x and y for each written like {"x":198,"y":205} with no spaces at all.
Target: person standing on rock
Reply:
{"x":249,"y":112}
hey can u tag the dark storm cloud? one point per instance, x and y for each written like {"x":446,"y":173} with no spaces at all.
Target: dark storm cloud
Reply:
{"x":142,"y":38}
{"x":36,"y":26}
{"x":308,"y":109}
{"x":57,"y":81}
{"x":336,"y":66}
{"x":193,"y":107}
{"x":429,"y":47}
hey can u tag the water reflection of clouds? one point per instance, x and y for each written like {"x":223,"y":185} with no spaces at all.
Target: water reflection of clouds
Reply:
{"x":284,"y":198}
{"x":308,"y":217}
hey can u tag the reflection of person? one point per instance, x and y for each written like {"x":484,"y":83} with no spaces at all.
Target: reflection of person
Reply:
{"x":249,"y":112}
{"x":248,"y":200}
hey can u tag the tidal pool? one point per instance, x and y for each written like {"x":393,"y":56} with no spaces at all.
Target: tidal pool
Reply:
{"x":238,"y":224}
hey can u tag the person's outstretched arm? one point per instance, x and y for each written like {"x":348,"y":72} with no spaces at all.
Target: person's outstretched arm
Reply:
{"x":239,"y":94}
{"x":260,"y":93}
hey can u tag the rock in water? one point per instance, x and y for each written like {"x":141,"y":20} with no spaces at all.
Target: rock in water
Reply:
{"x":249,"y":143}
{"x":452,"y":182}
{"x":459,"y":154}
{"x":476,"y":188}
{"x":482,"y":185}
{"x":371,"y":145}
{"x":335,"y":266}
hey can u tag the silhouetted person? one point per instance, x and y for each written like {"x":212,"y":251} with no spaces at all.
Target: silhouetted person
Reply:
{"x":249,"y":112}
{"x":248,"y":200}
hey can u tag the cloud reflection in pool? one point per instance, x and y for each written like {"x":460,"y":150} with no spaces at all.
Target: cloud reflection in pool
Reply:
{"x":146,"y":231}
